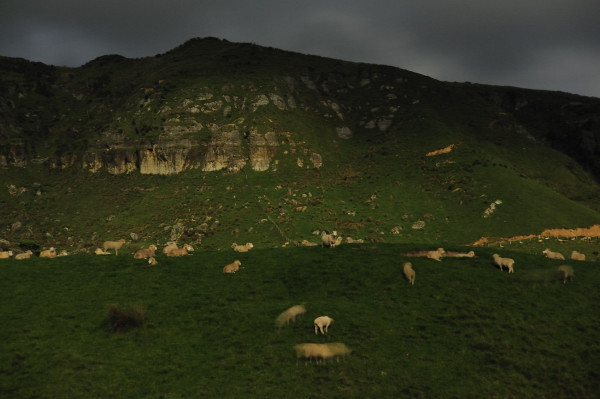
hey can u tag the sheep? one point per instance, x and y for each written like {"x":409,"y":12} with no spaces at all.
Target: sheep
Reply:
{"x":180,"y":251}
{"x":350,"y":240}
{"x":575,"y":255}
{"x":321,"y":352}
{"x":100,"y":251}
{"x":501,"y":262}
{"x":452,"y":254}
{"x":553,"y":255}
{"x":25,"y":255}
{"x":306,"y":243}
{"x":145,"y":253}
{"x":242,"y":248}
{"x":337,"y":242}
{"x":152,"y":261}
{"x":289,"y":315}
{"x":63,"y":253}
{"x":116,"y":245}
{"x":48,"y":253}
{"x":328,"y":240}
{"x":565,"y":272}
{"x":169,"y":247}
{"x":5,"y":254}
{"x":409,"y":273}
{"x":322,"y":323}
{"x":232,"y":267}
{"x":436,"y":255}
{"x":338,"y":349}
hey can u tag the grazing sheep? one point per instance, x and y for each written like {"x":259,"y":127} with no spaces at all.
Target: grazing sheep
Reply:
{"x":116,"y":245}
{"x":436,"y":255}
{"x":152,"y":261}
{"x":409,"y":273}
{"x":100,"y":251}
{"x":48,"y":253}
{"x":145,"y":253}
{"x":63,"y":253}
{"x":25,"y":255}
{"x":322,"y":323}
{"x":5,"y":254}
{"x":504,"y":262}
{"x":321,"y":352}
{"x":565,"y":272}
{"x":242,"y":248}
{"x":338,"y":349}
{"x":575,"y":255}
{"x":289,"y":315}
{"x":232,"y":267}
{"x":328,"y":240}
{"x":553,"y":255}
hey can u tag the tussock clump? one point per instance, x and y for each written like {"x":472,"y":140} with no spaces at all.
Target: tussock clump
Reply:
{"x":122,"y":320}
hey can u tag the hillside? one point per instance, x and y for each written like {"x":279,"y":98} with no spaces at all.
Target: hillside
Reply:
{"x":215,"y":142}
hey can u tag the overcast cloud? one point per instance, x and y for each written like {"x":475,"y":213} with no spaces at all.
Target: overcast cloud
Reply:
{"x":550,"y":45}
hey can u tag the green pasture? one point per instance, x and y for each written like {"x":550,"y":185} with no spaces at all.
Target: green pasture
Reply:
{"x":464,"y":330}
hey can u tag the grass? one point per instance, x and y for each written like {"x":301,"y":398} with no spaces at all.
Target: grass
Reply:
{"x":463,"y":330}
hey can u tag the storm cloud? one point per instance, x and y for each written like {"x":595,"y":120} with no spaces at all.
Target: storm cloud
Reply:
{"x":526,"y":43}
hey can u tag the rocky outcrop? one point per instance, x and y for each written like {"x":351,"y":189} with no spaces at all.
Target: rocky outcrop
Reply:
{"x":262,"y":150}
{"x":224,"y":150}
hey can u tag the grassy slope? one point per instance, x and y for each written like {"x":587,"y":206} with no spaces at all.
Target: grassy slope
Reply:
{"x":463,"y":330}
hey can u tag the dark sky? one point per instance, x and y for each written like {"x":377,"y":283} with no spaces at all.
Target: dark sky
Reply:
{"x":550,"y":45}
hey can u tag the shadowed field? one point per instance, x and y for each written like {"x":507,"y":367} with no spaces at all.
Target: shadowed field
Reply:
{"x":464,"y":329}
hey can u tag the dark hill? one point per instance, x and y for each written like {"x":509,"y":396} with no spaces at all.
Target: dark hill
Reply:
{"x":215,"y":142}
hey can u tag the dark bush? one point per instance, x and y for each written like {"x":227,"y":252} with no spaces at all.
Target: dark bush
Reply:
{"x":123,"y":320}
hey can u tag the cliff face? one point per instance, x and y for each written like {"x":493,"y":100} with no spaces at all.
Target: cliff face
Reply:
{"x":211,"y":105}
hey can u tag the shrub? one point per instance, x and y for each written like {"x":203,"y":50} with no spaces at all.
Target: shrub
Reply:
{"x":123,"y":320}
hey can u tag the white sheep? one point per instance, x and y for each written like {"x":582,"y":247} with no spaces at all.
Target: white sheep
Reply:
{"x":6,"y":254}
{"x":63,"y":253}
{"x":289,"y":315}
{"x":100,"y":251}
{"x":452,"y":254}
{"x":575,"y":255}
{"x":409,"y":273}
{"x":306,"y":243}
{"x":321,"y":352}
{"x":350,"y":240}
{"x":145,"y":253}
{"x":328,"y":240}
{"x":232,"y":267}
{"x":565,"y":272}
{"x":116,"y":245}
{"x":337,"y":242}
{"x":25,"y":255}
{"x":322,"y":323}
{"x":48,"y":253}
{"x":171,"y":245}
{"x":181,"y":251}
{"x":504,"y":262}
{"x":242,"y":248}
{"x":553,"y":255}
{"x":152,"y":261}
{"x":436,"y":255}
